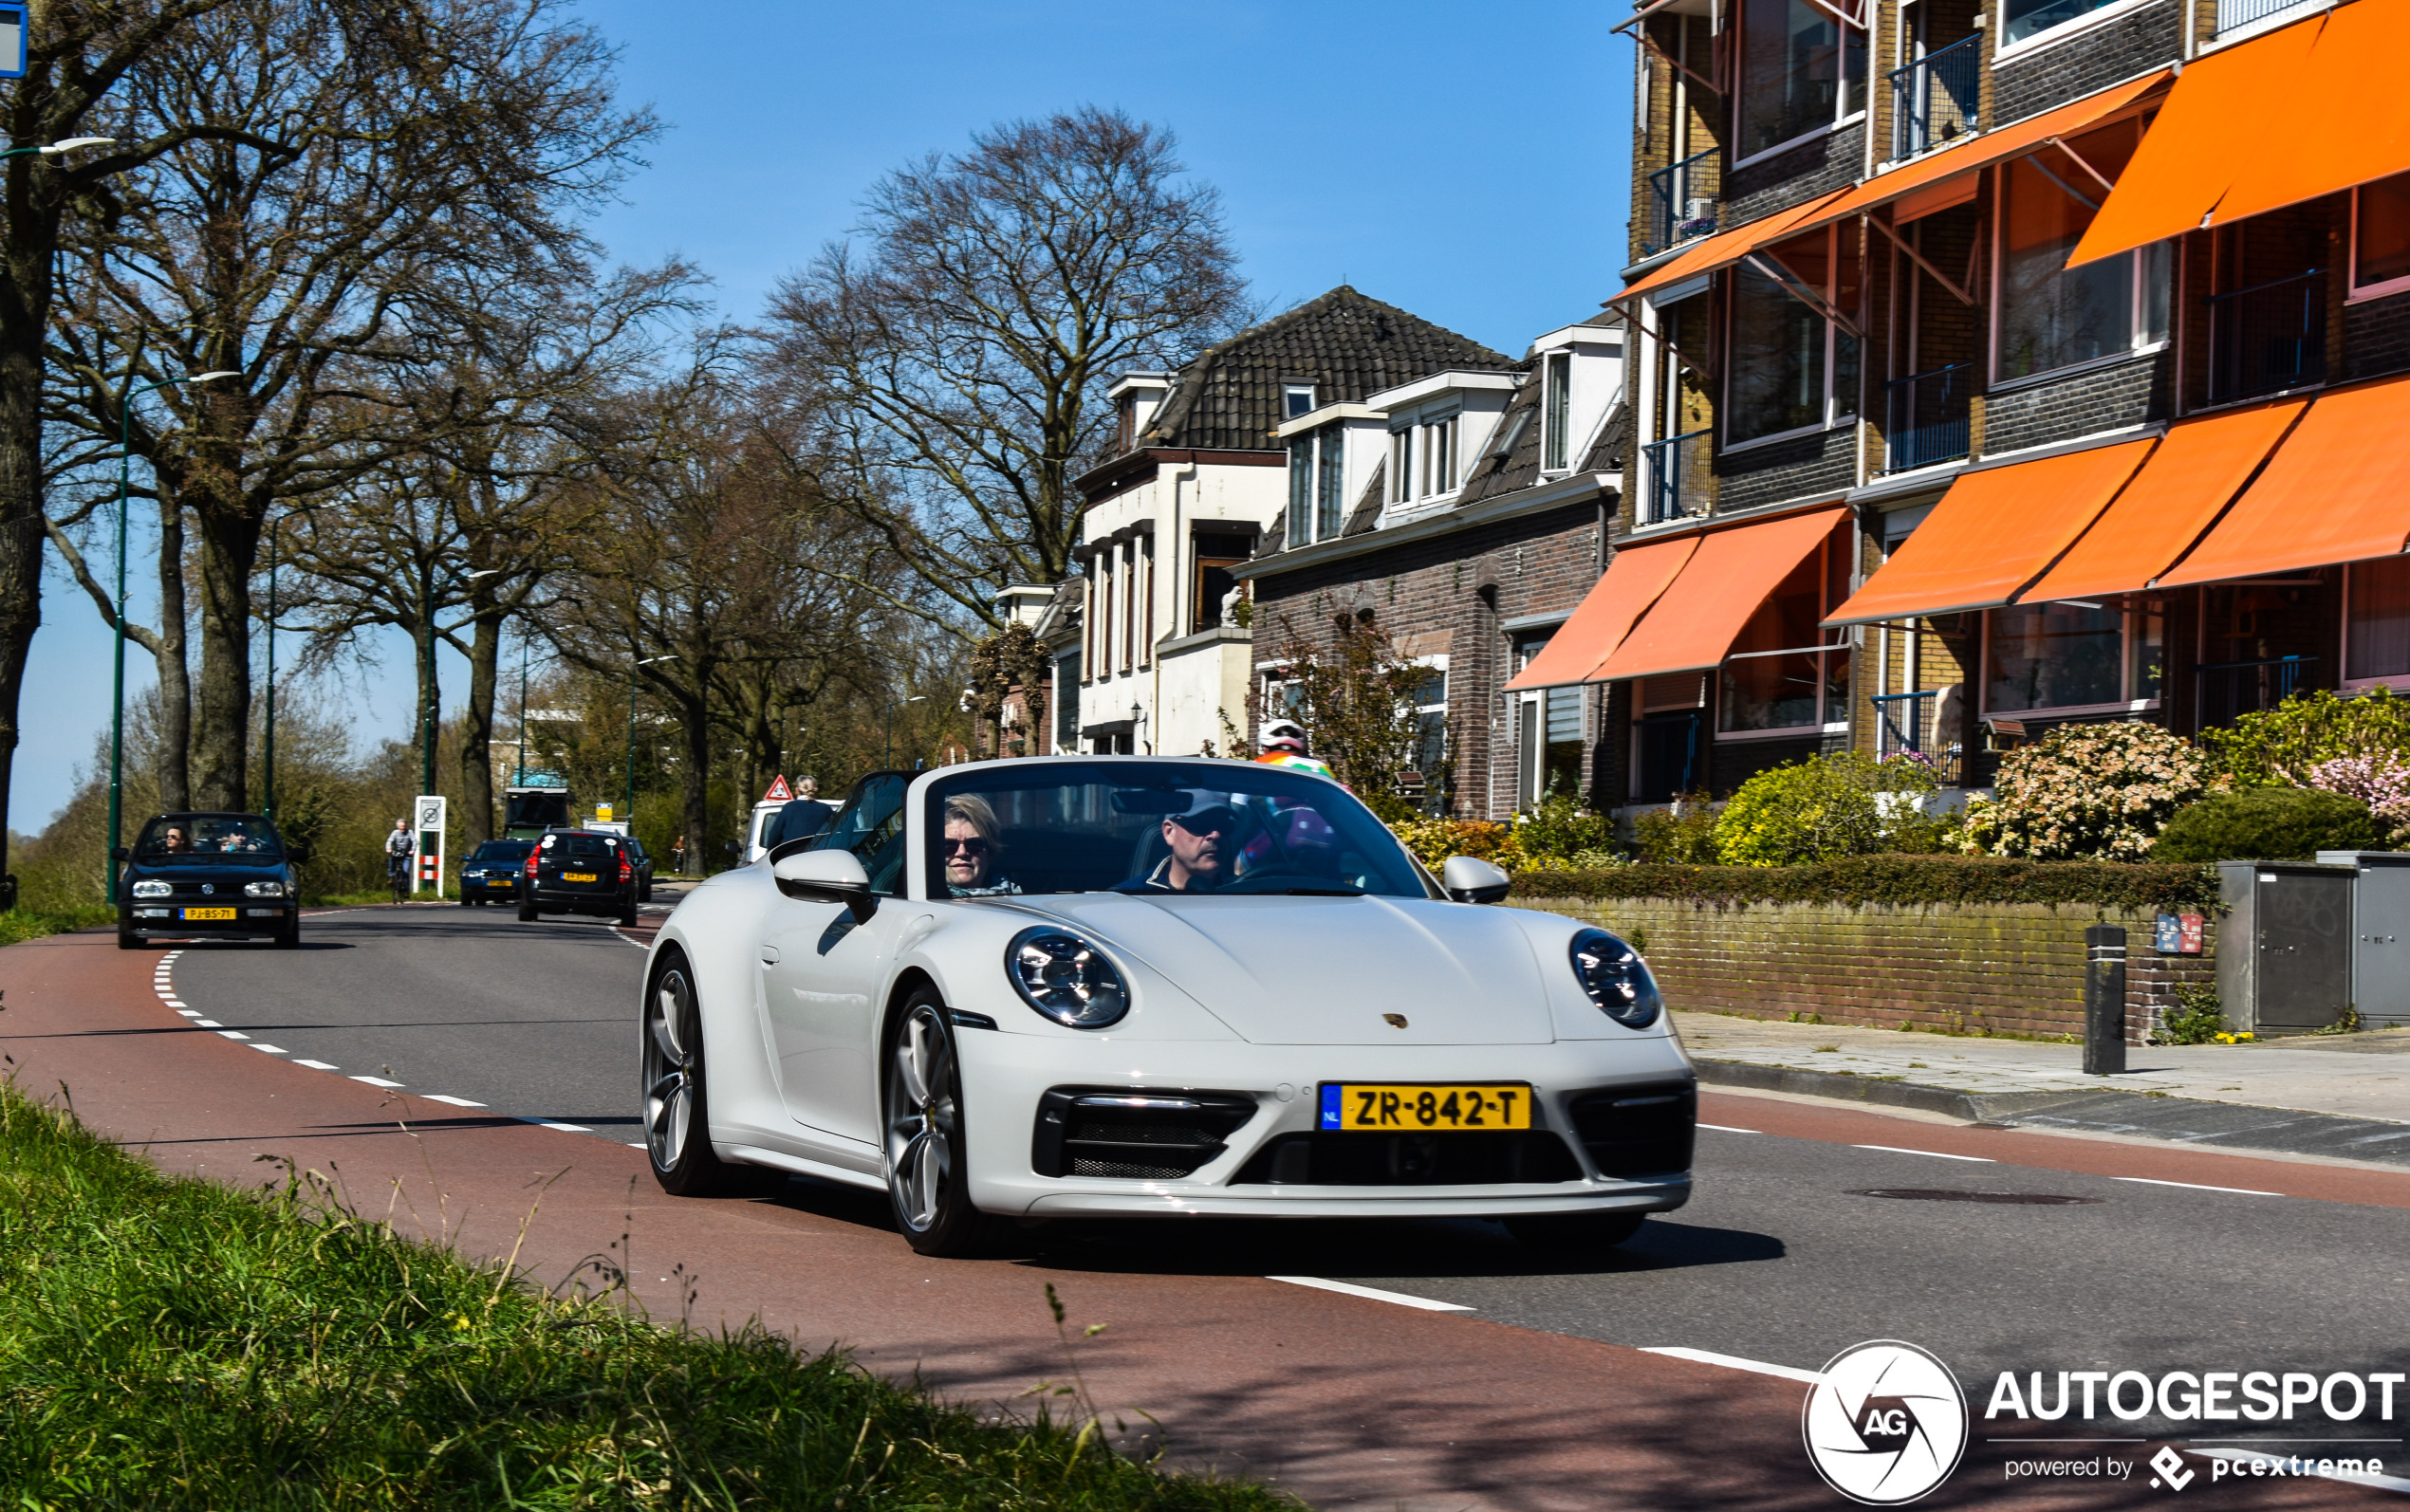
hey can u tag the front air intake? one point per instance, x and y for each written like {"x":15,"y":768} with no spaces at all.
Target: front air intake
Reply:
{"x":1133,"y":1136}
{"x":1642,"y":1131}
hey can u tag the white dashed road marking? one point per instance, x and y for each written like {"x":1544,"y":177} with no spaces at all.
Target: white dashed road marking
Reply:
{"x":1708,"y":1357}
{"x":377,"y":1082}
{"x":564,"y":1128}
{"x":1722,"y":1128}
{"x":1351,"y":1289}
{"x":2195,"y":1185}
{"x":1894,"y":1150}
{"x":458,"y":1102}
{"x":234,"y":1034}
{"x":316,"y":1065}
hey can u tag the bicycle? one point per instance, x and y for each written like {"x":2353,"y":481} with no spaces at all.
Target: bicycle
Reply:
{"x":398,"y":873}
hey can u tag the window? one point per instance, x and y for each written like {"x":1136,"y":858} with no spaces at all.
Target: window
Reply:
{"x":2051,"y":316}
{"x":2377,"y":624}
{"x":1301,"y":489}
{"x":2072,"y":654}
{"x":1211,"y":582}
{"x":1125,"y":432}
{"x":1402,"y":465}
{"x":1784,"y":673}
{"x":1296,"y":400}
{"x":1067,"y":702}
{"x":1550,"y":730}
{"x":1791,"y":369}
{"x":1438,"y":456}
{"x":2381,"y":237}
{"x":1431,"y":731}
{"x":1556,"y":448}
{"x":2021,"y":19}
{"x":1802,"y":70}
{"x":1330,"y":501}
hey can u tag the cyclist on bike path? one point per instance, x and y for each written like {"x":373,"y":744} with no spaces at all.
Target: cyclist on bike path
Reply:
{"x":397,"y":848}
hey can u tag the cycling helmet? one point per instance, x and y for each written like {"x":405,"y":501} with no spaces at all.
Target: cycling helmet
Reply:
{"x":1283,"y":734}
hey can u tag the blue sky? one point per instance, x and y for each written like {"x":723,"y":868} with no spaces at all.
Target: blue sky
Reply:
{"x":1469,"y":163}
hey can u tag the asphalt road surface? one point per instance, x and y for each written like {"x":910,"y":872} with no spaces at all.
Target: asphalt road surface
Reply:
{"x":1783,"y":1258}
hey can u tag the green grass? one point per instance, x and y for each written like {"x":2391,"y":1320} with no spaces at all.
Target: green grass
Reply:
{"x":19,"y":924}
{"x":171,"y":1343}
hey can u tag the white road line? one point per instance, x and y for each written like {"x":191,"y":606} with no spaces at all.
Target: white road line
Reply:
{"x":234,"y":1035}
{"x":1937,"y":1154}
{"x":271,"y":1049}
{"x":458,"y":1102}
{"x":1373,"y":1292}
{"x":639,"y":1147}
{"x":377,"y":1082}
{"x":564,"y":1128}
{"x":1725,"y":1127}
{"x":317,"y":1066}
{"x":1708,"y":1357}
{"x":2195,"y":1185}
{"x":190,"y":1013}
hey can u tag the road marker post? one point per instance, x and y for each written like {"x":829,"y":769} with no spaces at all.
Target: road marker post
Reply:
{"x":2104,"y":1001}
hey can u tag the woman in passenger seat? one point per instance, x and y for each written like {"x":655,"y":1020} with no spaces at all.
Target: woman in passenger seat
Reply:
{"x":973,"y":850}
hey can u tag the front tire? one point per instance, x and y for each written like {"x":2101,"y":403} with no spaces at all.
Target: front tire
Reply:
{"x":288,"y":938}
{"x":928,"y":1167}
{"x":1575,"y":1231}
{"x":128,"y":940}
{"x":677,"y":1137}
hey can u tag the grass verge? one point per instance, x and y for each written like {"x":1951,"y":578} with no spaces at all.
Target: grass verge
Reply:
{"x":166,"y":1342}
{"x":18,"y":925}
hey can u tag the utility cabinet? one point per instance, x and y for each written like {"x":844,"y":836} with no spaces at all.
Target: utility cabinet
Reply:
{"x":2284,"y":949}
{"x":2379,"y":934}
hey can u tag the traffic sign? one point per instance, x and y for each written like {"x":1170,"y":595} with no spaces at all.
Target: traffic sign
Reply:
{"x":428,"y":838}
{"x":12,"y":36}
{"x":779,"y":792}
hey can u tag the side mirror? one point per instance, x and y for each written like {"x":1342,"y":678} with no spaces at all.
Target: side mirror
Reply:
{"x":122,"y":853}
{"x":1471,"y":879}
{"x":297,"y":851}
{"x":829,"y":876}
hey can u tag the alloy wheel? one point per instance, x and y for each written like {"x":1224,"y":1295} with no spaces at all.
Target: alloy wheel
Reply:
{"x":672,"y":1068}
{"x":922,"y":1115}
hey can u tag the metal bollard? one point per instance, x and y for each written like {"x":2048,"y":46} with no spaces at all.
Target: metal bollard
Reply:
{"x":2104,"y":1001}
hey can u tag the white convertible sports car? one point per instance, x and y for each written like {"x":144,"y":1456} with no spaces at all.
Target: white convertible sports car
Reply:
{"x":1017,"y":990}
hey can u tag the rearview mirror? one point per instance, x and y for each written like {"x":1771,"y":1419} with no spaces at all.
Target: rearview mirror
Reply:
{"x":122,"y":853}
{"x":1471,"y":879}
{"x":298,"y":852}
{"x":829,"y":876}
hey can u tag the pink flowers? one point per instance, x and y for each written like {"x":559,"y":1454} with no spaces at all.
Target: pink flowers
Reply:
{"x":2379,"y":781}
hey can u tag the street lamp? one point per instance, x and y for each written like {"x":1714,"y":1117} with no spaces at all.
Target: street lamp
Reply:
{"x":268,"y":805}
{"x":124,"y":454}
{"x":56,"y":148}
{"x":893,"y":705}
{"x":630,"y":810}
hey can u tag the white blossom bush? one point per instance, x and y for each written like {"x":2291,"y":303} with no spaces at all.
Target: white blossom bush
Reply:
{"x":2087,"y":792}
{"x":2379,"y":780}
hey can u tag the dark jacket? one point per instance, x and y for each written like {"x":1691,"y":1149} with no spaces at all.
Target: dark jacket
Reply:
{"x":800,"y":819}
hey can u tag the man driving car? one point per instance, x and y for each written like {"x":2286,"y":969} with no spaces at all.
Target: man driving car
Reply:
{"x":1199,"y":861}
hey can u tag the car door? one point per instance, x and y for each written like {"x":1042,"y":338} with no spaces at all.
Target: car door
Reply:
{"x":824,"y":974}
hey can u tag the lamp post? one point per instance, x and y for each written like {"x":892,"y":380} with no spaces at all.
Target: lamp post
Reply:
{"x":522,"y":774}
{"x":124,"y":455}
{"x":889,"y":759}
{"x":630,"y":811}
{"x":268,"y":805}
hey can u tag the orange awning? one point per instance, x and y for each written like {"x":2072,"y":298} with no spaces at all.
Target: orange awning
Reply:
{"x":2307,"y":110}
{"x":2338,"y":489}
{"x":1992,"y":533}
{"x":2199,"y":466}
{"x":1727,"y":247}
{"x":1695,"y":622}
{"x":1982,"y":151}
{"x":1633,"y":580}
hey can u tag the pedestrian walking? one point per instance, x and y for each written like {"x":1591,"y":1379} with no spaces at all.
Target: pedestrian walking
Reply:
{"x":677,"y":856}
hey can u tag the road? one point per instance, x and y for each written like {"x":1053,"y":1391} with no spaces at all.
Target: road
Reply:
{"x":1782,"y":1259}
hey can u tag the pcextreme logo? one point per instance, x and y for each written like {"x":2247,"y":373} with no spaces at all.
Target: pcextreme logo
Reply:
{"x":1885,"y":1423}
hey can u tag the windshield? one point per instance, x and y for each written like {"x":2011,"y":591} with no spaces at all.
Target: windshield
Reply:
{"x":174,"y":837}
{"x":1140,"y":826}
{"x":493,"y":853}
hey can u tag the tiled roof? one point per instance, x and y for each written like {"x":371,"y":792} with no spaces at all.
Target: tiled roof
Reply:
{"x":1345,"y":344}
{"x":1368,"y":511}
{"x":1494,"y":473}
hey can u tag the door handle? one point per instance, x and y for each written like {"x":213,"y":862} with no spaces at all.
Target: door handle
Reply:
{"x":770,"y":955}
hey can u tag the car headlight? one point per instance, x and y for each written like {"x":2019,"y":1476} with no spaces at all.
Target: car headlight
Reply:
{"x":152,"y":887}
{"x":1617,"y":979}
{"x":264,"y":890}
{"x":1065,"y":978}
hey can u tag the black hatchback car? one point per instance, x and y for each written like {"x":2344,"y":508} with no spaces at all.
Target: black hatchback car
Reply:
{"x":208,"y":875}
{"x":574,"y":870}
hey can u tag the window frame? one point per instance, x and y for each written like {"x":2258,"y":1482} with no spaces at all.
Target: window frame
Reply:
{"x":1843,"y":117}
{"x":1289,"y":394}
{"x":2344,"y":681}
{"x":2061,"y":31}
{"x":1556,"y":413}
{"x":2353,"y":293}
{"x":2138,"y":341}
{"x":2128,"y":613}
{"x":1836,"y":416}
{"x":1829,"y":596}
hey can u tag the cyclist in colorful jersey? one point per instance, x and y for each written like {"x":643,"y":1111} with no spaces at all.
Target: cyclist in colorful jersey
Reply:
{"x":1283,"y":743}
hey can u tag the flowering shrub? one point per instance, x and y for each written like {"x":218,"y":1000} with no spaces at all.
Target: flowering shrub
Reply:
{"x":1824,"y":807}
{"x":2379,"y":781}
{"x":1559,"y":836}
{"x":2087,"y":792}
{"x":1433,"y":840}
{"x":1684,"y":833}
{"x":2289,"y":743}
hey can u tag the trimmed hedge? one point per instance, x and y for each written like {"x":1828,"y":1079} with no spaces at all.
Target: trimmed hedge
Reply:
{"x":1904,"y":880}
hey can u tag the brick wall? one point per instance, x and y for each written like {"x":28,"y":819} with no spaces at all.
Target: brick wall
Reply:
{"x":1822,"y":464}
{"x":2101,"y":398}
{"x":1452,"y":593}
{"x":2376,"y":337}
{"x":2001,"y":968}
{"x":1795,"y":178}
{"x":2131,"y":44}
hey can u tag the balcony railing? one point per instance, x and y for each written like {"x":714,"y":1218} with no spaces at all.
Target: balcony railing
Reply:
{"x":2268,"y":337}
{"x":2229,"y":689}
{"x":1927,"y":416}
{"x":1934,"y":99}
{"x":2233,"y":15}
{"x":1905,"y":730}
{"x":1669,"y":467}
{"x":1675,"y":195}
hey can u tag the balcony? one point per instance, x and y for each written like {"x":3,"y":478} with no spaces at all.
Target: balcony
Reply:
{"x":1671,"y":471}
{"x":1682,"y":202}
{"x":1905,"y":730}
{"x":1926,"y":417}
{"x":2268,"y":337}
{"x":2233,"y":15}
{"x":2229,"y":689}
{"x":1934,"y":100}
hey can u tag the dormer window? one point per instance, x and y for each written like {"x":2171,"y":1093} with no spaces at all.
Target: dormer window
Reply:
{"x":1296,"y":400}
{"x":1556,"y":450}
{"x":1317,"y":470}
{"x":1439,"y":457}
{"x":1126,"y":423}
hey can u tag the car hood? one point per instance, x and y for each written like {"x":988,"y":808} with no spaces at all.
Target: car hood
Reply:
{"x":1326,"y":970}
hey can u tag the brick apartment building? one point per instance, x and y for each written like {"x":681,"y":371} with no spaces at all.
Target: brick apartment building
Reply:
{"x":2000,"y":365}
{"x":1476,"y":512}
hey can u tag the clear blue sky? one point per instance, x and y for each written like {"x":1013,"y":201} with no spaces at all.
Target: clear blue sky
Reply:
{"x":1466,"y":164}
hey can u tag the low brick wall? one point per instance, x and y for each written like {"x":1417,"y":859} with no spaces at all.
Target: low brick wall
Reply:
{"x":1990,"y":968}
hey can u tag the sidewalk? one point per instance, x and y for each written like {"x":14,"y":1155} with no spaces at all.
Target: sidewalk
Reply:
{"x":2339,"y":1095}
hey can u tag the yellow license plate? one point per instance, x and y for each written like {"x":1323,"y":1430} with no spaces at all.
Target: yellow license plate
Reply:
{"x":576,"y":876}
{"x":498,"y":884}
{"x":209,"y":914}
{"x":1403,"y":1107}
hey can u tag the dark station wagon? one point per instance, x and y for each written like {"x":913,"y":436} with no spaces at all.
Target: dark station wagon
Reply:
{"x":579,"y":871}
{"x":208,"y":875}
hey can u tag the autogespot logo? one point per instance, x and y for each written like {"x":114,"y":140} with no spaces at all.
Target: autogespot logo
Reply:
{"x":1885,"y":1423}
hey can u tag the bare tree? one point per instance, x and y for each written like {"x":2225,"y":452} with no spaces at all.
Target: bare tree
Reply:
{"x":963,"y":346}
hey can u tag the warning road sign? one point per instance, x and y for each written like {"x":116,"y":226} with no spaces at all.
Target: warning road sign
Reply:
{"x":779,"y":792}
